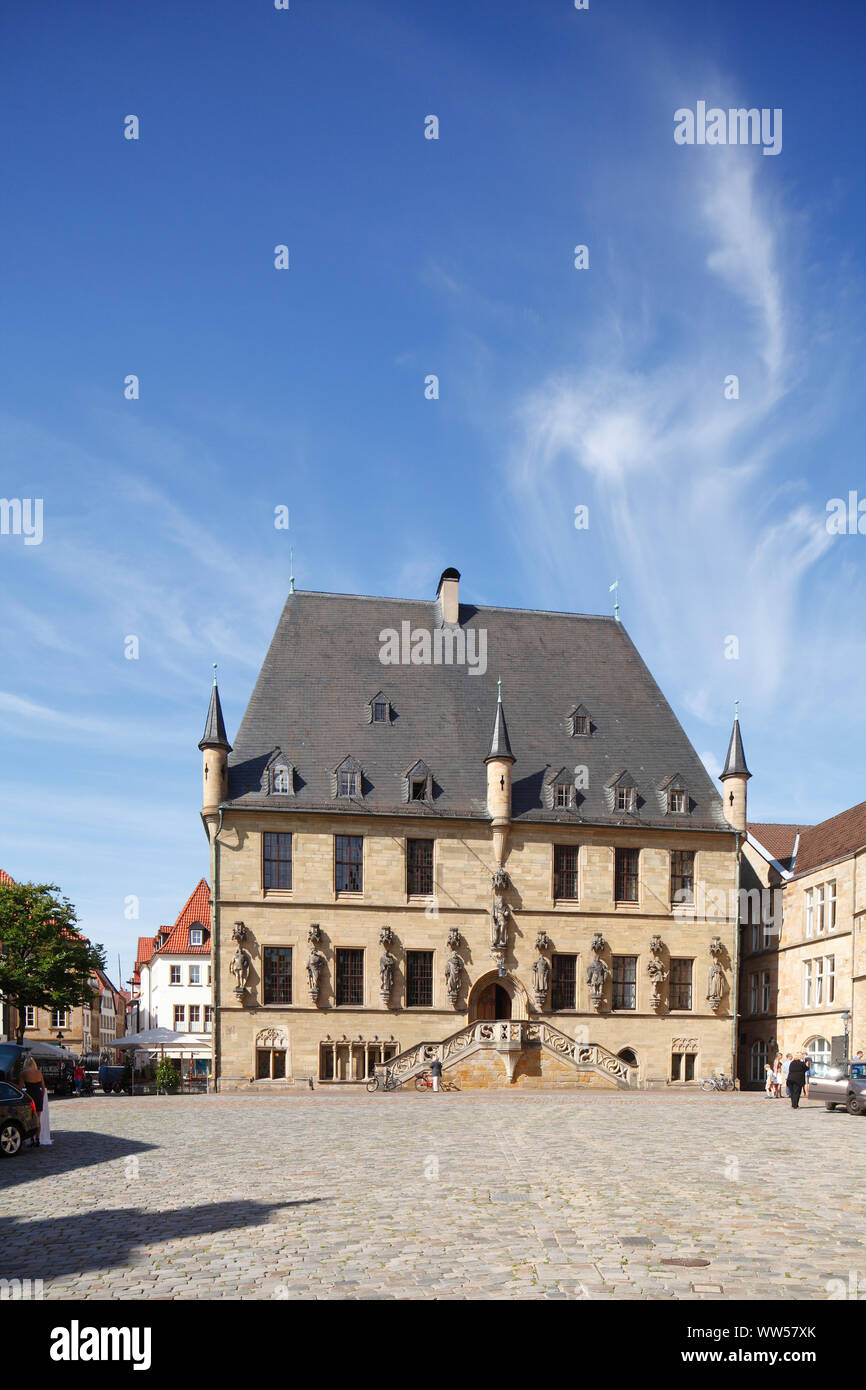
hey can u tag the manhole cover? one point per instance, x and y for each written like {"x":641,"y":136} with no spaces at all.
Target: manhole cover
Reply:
{"x":687,"y":1264}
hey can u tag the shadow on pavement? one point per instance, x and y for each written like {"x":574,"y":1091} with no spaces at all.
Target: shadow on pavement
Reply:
{"x":76,"y":1149}
{"x":56,"y":1247}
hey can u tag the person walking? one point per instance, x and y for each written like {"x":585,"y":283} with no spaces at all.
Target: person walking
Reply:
{"x":777,"y":1076}
{"x":785,"y":1065}
{"x":797,"y":1073}
{"x":768,"y":1084}
{"x":435,"y":1073}
{"x":34,"y":1084}
{"x":78,"y":1077}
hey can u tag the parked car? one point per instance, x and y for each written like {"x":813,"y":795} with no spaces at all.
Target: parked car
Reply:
{"x":844,"y":1084}
{"x":18,"y":1119}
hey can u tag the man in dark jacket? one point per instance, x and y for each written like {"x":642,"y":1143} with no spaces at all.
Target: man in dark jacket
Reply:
{"x":796,"y":1081}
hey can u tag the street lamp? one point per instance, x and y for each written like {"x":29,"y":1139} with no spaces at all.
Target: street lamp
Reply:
{"x":846,"y":1019}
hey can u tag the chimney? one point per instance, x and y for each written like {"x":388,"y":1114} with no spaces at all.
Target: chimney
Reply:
{"x":448,"y":594}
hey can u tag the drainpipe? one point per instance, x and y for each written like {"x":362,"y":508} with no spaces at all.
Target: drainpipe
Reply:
{"x":735,"y":967}
{"x":215,"y":948}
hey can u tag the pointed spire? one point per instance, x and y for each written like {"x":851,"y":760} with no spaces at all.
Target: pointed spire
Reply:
{"x":214,"y":735}
{"x":735,"y":763}
{"x":500,"y":746}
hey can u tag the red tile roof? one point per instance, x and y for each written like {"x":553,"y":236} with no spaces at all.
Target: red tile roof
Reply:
{"x":5,"y":878}
{"x":195,"y":912}
{"x":833,"y":839}
{"x":779,"y":840}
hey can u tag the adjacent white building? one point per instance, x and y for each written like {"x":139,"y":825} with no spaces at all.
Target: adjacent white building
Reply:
{"x":172,"y":980}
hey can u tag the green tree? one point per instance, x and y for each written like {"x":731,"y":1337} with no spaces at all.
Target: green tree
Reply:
{"x":44,"y":960}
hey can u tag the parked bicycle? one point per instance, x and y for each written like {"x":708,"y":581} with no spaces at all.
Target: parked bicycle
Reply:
{"x":424,"y":1082}
{"x":383,"y":1081}
{"x":718,"y":1083}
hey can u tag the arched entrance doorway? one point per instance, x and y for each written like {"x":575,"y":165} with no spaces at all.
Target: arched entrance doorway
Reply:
{"x":495,"y":996}
{"x":493,"y":1002}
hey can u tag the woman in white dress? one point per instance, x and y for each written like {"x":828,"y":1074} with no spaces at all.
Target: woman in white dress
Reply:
{"x":45,"y":1125}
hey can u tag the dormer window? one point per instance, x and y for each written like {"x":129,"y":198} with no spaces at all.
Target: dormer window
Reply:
{"x":418,"y":783}
{"x":379,"y":709}
{"x":347,"y":779}
{"x":196,"y":936}
{"x":564,"y":795}
{"x":626,"y":798}
{"x":674,"y":795}
{"x":580,"y":723}
{"x":278,"y":778}
{"x":559,"y":792}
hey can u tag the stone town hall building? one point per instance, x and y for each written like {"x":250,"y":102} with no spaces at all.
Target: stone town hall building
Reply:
{"x":398,"y":873}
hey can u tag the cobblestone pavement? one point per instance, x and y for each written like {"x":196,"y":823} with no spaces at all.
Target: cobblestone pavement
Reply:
{"x":477,"y":1195}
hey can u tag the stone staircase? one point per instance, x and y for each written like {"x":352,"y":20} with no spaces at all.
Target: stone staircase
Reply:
{"x":510,"y":1038}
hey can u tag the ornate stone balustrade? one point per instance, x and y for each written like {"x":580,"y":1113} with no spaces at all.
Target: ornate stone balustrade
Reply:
{"x":509,"y":1037}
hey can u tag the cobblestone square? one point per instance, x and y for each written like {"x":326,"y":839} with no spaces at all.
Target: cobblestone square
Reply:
{"x":492,"y":1196}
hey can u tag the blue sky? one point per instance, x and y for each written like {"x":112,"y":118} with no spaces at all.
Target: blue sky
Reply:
{"x":305,"y":388}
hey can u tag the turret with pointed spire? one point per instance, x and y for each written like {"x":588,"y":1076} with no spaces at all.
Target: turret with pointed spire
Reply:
{"x":735,"y":776}
{"x":500,"y":761}
{"x":215,"y":749}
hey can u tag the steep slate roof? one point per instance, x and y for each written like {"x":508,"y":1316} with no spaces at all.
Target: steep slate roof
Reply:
{"x":832,"y":839}
{"x":214,"y":735}
{"x":735,"y":763}
{"x":323,"y":667}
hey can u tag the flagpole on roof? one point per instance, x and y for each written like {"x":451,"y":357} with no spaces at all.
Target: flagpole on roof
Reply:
{"x":614,"y":589}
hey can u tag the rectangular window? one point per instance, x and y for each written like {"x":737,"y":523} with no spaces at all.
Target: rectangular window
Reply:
{"x":626,"y":875}
{"x":380,"y":711}
{"x":210,"y":974}
{"x":831,"y":905}
{"x":277,"y":974}
{"x":581,"y":725}
{"x":681,"y":984}
{"x":195,"y":936}
{"x":60,"y":1018}
{"x":277,"y":863}
{"x":179,"y":1017}
{"x":676,"y":800}
{"x":807,"y":984}
{"x":819,"y":981}
{"x":350,"y":976}
{"x":194,"y":1017}
{"x":765,"y":991}
{"x":270,"y":1064}
{"x":565,"y":860}
{"x":348,"y":784}
{"x":419,"y":788}
{"x":419,"y":868}
{"x":682,"y":1066}
{"x":682,"y":875}
{"x":810,"y":912}
{"x":819,"y":910}
{"x":753,"y":994}
{"x":195,"y":974}
{"x":563,"y":980}
{"x":625,"y":798}
{"x":208,"y":1018}
{"x":624,"y":982}
{"x":174,"y":974}
{"x":830,"y":977}
{"x":30,"y":1016}
{"x":756,"y":936}
{"x":419,"y":979}
{"x":349,"y":863}
{"x":564,"y":795}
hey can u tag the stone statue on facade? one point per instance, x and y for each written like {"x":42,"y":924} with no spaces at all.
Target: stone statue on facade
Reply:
{"x":596,"y":974}
{"x":387,"y":962}
{"x":658,"y":975}
{"x":314,"y":969}
{"x":541,"y":973}
{"x":715,"y":985}
{"x":453,"y":976}
{"x":501,"y":912}
{"x":240,"y":966}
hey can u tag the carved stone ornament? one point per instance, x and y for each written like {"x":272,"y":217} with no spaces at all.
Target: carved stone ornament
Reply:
{"x":314,"y":935}
{"x":656,"y":945}
{"x":716,"y":947}
{"x":315,"y":964}
{"x":386,"y":937}
{"x":239,"y":932}
{"x":453,"y":977}
{"x":272,"y":1037}
{"x":598,"y":943}
{"x":453,"y":938}
{"x":542,"y":941}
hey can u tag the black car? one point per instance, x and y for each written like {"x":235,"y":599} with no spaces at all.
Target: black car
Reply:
{"x":18,"y":1119}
